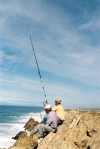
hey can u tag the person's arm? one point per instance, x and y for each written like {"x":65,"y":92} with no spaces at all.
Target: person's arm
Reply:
{"x":49,"y":120}
{"x":55,"y":108}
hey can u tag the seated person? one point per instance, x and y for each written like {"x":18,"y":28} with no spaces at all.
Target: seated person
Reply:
{"x":59,"y":111}
{"x":50,"y":126}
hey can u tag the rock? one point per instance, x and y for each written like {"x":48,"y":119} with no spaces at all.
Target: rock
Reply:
{"x":31,"y":124}
{"x":32,"y":145}
{"x":24,"y":142}
{"x":81,"y":129}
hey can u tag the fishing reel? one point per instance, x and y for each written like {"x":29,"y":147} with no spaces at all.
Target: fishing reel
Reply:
{"x":45,"y":102}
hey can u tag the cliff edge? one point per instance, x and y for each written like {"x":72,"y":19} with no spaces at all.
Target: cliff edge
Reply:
{"x":81,"y":129}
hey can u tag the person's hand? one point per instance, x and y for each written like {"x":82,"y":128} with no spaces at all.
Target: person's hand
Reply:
{"x":44,"y":104}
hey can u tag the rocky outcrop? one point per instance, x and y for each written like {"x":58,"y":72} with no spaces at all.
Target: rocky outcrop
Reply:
{"x":81,"y":129}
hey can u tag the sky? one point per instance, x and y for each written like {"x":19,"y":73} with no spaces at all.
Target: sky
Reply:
{"x":66,"y":39}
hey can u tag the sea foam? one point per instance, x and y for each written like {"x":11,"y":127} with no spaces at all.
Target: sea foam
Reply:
{"x":9,"y":130}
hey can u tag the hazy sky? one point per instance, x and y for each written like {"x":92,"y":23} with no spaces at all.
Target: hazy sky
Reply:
{"x":66,"y":39}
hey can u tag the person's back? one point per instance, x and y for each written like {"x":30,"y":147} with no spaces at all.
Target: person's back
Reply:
{"x":52,"y":119}
{"x":59,"y":111}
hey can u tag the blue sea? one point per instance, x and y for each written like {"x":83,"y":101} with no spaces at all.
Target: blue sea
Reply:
{"x":13,"y":119}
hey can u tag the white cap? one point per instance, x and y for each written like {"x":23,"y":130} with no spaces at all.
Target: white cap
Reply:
{"x":48,"y":106}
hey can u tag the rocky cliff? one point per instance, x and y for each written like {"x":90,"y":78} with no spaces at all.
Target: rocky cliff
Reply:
{"x":81,"y":129}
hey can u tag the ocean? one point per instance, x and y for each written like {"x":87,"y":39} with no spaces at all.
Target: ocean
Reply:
{"x":13,"y":119}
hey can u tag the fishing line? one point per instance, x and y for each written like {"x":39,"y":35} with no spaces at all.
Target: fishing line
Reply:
{"x":33,"y":50}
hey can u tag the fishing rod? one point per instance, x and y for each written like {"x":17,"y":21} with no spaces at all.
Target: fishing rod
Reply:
{"x":34,"y":55}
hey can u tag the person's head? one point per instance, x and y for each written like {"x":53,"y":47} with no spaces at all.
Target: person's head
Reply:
{"x":48,"y":108}
{"x":57,"y":101}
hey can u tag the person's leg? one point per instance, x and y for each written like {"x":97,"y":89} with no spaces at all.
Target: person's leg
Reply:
{"x":60,"y":122}
{"x":35,"y":130}
{"x":44,"y":119}
{"x":44,"y":128}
